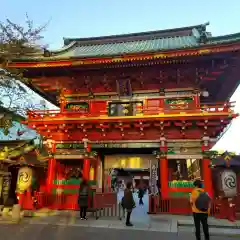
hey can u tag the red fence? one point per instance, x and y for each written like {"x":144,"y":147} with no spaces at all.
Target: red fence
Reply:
{"x":176,"y":206}
{"x":104,"y":200}
{"x":108,"y":201}
{"x":66,"y":201}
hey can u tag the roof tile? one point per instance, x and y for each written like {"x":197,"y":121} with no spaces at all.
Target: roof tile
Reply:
{"x":152,"y":45}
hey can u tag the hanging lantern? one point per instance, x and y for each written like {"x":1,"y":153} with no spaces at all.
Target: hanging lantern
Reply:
{"x":3,"y":155}
{"x":24,"y":180}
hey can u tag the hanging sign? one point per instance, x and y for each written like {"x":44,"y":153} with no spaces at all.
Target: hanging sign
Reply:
{"x":153,"y":178}
{"x":229,"y":183}
{"x":77,"y":107}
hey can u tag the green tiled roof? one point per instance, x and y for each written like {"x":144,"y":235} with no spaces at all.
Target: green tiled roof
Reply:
{"x":224,"y":39}
{"x":153,"y":41}
{"x":111,"y":49}
{"x":143,"y":46}
{"x":146,"y":42}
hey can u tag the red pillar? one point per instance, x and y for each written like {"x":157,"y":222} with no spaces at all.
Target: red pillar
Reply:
{"x":51,"y":173}
{"x":196,"y":101}
{"x":163,"y":164}
{"x":207,"y":176}
{"x":86,"y":169}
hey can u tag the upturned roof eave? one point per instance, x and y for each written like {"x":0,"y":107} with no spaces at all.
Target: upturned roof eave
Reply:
{"x":211,"y":43}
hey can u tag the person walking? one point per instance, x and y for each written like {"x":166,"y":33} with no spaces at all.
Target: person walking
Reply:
{"x":141,"y":195}
{"x":128,"y":203}
{"x":201,"y":203}
{"x":83,"y":199}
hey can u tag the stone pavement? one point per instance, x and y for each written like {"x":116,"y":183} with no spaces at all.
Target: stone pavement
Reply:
{"x":140,"y":218}
{"x":157,"y":223}
{"x":73,"y":220}
{"x":165,"y":225}
{"x":217,"y":226}
{"x":188,"y":221}
{"x":55,"y":232}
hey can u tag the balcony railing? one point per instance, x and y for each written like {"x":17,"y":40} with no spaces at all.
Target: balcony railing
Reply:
{"x":145,"y":111}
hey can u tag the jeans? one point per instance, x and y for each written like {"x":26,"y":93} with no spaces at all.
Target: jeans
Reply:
{"x":140,"y":201}
{"x":83,"y":212}
{"x":128,"y":217}
{"x":201,"y":218}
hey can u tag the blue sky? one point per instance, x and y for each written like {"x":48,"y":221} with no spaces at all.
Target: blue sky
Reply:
{"x":82,"y":18}
{"x":85,"y":18}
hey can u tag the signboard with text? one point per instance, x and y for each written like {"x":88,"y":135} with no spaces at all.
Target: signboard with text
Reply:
{"x":107,"y":145}
{"x":153,"y":177}
{"x":77,"y":107}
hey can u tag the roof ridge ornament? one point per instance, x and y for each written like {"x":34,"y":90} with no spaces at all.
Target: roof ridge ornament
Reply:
{"x":203,"y":33}
{"x":206,"y":24}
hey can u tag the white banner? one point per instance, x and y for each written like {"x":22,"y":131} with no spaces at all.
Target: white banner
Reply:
{"x":229,"y":183}
{"x":153,"y":177}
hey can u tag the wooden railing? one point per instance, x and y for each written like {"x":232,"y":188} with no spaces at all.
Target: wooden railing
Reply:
{"x":146,"y":111}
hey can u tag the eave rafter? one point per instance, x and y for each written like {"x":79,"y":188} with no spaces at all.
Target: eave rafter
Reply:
{"x":180,"y":128}
{"x":232,"y":79}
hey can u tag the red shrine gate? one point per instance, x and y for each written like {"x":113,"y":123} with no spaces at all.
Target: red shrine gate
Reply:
{"x":145,"y":88}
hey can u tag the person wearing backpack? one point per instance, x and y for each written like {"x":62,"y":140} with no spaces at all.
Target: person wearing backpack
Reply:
{"x":201,"y":203}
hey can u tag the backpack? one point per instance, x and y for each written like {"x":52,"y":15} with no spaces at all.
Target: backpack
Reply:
{"x":202,"y":201}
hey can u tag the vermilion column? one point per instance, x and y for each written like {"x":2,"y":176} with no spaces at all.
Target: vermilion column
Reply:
{"x":51,"y":173}
{"x":86,"y":169}
{"x":207,"y":176}
{"x":196,"y":100}
{"x":163,"y":164}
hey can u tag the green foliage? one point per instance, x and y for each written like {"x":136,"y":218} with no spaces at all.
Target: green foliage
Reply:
{"x":17,"y":41}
